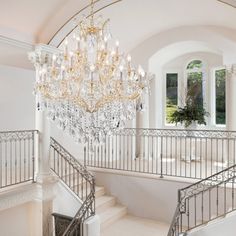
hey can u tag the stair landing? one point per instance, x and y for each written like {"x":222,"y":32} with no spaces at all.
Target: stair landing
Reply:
{"x":134,"y":226}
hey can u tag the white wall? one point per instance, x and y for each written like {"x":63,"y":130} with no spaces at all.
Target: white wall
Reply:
{"x":22,"y":220}
{"x":17,"y":103}
{"x":65,"y":202}
{"x":67,"y":141}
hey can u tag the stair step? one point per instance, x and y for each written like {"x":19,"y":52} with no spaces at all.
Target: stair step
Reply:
{"x":111,"y":215}
{"x":99,"y":191}
{"x":104,"y":202}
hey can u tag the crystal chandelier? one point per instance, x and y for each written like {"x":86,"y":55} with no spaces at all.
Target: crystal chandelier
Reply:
{"x":90,"y":88}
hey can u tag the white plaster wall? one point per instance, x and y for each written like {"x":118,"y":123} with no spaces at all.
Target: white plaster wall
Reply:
{"x":17,"y":103}
{"x":20,"y":221}
{"x":65,"y":202}
{"x":68,"y":142}
{"x":212,"y":38}
{"x":149,"y":198}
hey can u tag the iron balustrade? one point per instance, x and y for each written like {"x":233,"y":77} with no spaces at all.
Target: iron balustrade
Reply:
{"x":193,"y":154}
{"x":17,"y":157}
{"x":204,"y":201}
{"x":79,"y":180}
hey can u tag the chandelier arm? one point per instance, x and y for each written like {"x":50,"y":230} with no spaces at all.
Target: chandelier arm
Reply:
{"x":90,"y":83}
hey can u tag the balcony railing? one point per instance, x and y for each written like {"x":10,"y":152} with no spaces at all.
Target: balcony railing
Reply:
{"x":205,"y":201}
{"x":17,"y":157}
{"x":168,"y":152}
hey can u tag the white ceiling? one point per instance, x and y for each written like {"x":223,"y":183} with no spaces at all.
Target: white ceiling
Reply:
{"x":132,"y":21}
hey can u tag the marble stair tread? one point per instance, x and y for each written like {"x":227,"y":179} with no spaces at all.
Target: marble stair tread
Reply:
{"x":99,"y":191}
{"x":103,"y":202}
{"x":111,"y":215}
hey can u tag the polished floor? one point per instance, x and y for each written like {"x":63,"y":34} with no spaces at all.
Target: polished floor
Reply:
{"x":135,"y":226}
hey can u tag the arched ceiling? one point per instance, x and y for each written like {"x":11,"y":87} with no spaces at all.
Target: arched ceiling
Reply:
{"x":132,"y":21}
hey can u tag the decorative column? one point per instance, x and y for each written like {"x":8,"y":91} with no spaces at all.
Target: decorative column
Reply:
{"x":143,"y":120}
{"x":231,"y":98}
{"x":40,"y":57}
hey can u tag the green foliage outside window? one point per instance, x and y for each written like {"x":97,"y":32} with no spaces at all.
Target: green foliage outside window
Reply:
{"x":194,"y":110}
{"x":171,"y":95}
{"x":220,"y":96}
{"x":195,"y":82}
{"x":195,"y":64}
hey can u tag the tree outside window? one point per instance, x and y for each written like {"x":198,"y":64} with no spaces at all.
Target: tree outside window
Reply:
{"x":220,"y":117}
{"x":195,"y":81}
{"x":171,"y":95}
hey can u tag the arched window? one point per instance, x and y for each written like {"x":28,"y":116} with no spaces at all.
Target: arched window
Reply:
{"x":194,"y":72}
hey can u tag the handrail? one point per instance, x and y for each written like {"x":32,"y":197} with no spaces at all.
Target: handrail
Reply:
{"x":194,"y":154}
{"x":195,"y":194}
{"x":78,"y":179}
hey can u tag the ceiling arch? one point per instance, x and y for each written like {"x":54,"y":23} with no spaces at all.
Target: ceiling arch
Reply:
{"x":221,"y":39}
{"x":178,"y":49}
{"x":135,"y":21}
{"x":132,"y":21}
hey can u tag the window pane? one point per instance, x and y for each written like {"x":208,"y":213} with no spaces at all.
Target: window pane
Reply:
{"x":196,"y":64}
{"x":171,"y":94}
{"x":220,"y":96}
{"x":195,"y":92}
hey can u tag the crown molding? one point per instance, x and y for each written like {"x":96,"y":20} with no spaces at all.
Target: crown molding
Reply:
{"x":16,"y":43}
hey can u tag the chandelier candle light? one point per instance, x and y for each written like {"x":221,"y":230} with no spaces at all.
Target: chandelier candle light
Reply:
{"x":90,"y":87}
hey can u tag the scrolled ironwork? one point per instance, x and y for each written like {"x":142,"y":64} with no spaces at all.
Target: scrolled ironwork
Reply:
{"x":6,"y":136}
{"x":178,"y":133}
{"x":214,"y":182}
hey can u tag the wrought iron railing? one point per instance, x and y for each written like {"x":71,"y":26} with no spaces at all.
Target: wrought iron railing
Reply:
{"x":204,"y":201}
{"x":79,"y":180}
{"x":17,"y":157}
{"x":168,"y":152}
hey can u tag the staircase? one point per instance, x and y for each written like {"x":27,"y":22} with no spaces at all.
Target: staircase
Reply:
{"x":108,"y":209}
{"x":199,"y":205}
{"x":78,"y":180}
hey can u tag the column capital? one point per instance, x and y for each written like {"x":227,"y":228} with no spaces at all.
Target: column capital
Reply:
{"x":42,"y":54}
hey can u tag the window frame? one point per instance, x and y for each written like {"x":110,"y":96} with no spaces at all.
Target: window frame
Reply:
{"x":213,"y":100}
{"x":202,"y":70}
{"x":170,"y":71}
